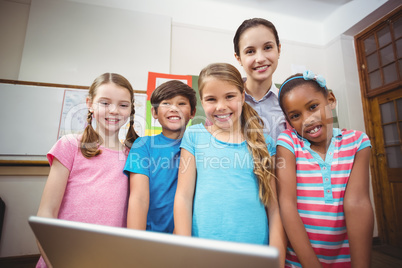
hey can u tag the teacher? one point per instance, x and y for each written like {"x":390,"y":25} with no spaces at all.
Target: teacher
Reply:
{"x":257,"y":49}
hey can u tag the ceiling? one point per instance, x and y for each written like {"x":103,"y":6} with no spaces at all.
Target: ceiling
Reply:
{"x":323,"y":19}
{"x":315,"y":10}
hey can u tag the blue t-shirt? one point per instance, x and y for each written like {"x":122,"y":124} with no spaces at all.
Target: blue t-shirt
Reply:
{"x":226,"y":202}
{"x":157,"y":157}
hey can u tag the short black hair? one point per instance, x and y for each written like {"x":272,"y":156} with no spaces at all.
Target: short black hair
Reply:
{"x":171,"y":89}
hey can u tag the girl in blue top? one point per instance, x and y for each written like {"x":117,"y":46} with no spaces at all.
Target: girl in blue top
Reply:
{"x":226,"y":187}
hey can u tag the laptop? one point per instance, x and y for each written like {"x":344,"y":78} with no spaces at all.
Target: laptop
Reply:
{"x":75,"y":244}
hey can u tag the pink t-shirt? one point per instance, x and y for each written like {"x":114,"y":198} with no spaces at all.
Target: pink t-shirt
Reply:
{"x":97,"y":188}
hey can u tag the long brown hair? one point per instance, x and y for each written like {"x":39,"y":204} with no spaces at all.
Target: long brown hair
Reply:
{"x":91,"y":139}
{"x":251,"y":126}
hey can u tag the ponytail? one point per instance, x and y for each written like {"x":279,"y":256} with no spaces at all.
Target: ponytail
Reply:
{"x":131,"y":134}
{"x":252,"y":126}
{"x":90,"y":140}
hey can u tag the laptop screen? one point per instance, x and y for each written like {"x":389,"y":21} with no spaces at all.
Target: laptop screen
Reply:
{"x":75,"y":244}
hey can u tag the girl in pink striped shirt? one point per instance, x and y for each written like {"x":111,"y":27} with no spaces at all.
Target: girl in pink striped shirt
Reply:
{"x":323,"y":180}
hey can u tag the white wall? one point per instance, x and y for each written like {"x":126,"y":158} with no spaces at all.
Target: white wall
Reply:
{"x":20,"y":193}
{"x":22,"y":196}
{"x":348,"y":15}
{"x":13,"y":25}
{"x":343,"y":78}
{"x":192,"y":47}
{"x":108,"y":40}
{"x":302,"y":55}
{"x":227,"y":15}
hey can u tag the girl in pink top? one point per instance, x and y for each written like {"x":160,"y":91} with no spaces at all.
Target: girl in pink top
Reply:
{"x":86,"y":182}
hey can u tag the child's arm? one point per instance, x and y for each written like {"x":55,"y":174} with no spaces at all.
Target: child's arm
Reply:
{"x":138,"y":203}
{"x":52,"y":196}
{"x":358,"y":211}
{"x":54,"y":190}
{"x":287,"y":196}
{"x":277,"y":236}
{"x":183,"y":201}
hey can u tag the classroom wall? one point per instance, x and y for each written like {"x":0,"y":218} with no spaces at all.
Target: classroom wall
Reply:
{"x":22,"y":196}
{"x":13,"y":25}
{"x":109,"y":39}
{"x":191,"y":50}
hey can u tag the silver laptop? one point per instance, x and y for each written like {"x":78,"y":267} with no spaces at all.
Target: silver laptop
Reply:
{"x":75,"y":244}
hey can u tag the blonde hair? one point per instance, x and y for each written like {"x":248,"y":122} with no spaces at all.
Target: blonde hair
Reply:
{"x":251,"y":125}
{"x":91,"y":139}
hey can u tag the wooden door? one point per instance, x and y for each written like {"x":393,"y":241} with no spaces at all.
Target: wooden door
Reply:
{"x":379,"y":51}
{"x":386,"y":114}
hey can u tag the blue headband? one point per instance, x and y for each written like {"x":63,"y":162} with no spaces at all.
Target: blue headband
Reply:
{"x":307,"y":75}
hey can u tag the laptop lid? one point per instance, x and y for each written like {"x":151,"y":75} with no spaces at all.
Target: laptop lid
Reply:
{"x":75,"y":244}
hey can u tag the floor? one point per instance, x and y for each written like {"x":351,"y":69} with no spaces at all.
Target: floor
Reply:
{"x":384,"y":256}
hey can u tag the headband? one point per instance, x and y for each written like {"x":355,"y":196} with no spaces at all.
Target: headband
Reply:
{"x":307,"y":75}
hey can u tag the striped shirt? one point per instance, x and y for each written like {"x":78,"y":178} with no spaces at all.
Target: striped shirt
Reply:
{"x":321,"y":187}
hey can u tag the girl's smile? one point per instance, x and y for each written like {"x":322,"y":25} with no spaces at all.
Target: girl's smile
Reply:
{"x":223,"y":117}
{"x":113,"y":120}
{"x":314,"y":131}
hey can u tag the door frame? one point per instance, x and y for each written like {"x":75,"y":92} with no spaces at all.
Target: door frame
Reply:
{"x":386,"y":213}
{"x":371,"y":126}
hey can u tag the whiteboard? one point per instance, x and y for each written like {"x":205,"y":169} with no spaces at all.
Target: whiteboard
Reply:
{"x":30,"y":119}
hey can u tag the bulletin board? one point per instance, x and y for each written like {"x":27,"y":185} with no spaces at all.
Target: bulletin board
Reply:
{"x":30,"y":119}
